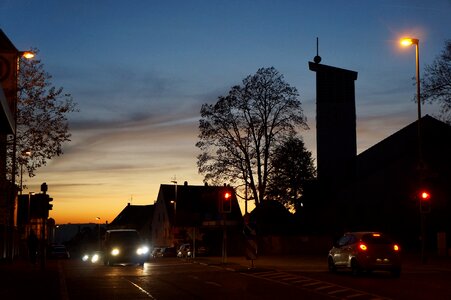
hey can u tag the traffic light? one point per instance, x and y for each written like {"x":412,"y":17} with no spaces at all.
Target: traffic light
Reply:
{"x":40,"y":206}
{"x":226,"y":201}
{"x":49,"y":205}
{"x":425,"y":201}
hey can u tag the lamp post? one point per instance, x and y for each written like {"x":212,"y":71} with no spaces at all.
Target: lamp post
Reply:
{"x":416,"y":42}
{"x":98,"y":232}
{"x":26,"y":55}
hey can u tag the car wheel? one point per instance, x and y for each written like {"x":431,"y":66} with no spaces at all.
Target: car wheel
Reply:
{"x":355,"y":267}
{"x":331,"y":265}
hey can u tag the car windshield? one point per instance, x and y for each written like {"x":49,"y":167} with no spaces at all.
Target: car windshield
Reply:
{"x":124,"y":236}
{"x":378,"y":239}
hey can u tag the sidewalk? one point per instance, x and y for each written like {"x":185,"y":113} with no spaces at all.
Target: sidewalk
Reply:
{"x":23,"y":280}
{"x":313,"y":262}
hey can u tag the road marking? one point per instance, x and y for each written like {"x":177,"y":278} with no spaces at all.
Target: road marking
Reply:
{"x":213,"y":283}
{"x":324,"y":287}
{"x":318,"y":286}
{"x":141,"y":289}
{"x":312,"y":284}
{"x":338,"y":291}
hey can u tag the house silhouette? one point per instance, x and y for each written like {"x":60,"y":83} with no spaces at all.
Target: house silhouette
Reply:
{"x":192,"y":214}
{"x":137,"y":217}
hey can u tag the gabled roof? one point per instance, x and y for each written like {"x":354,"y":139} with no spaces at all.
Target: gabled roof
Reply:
{"x":403,"y":145}
{"x":5,"y":44}
{"x":6,"y":116}
{"x":133,"y":216}
{"x":195,"y":204}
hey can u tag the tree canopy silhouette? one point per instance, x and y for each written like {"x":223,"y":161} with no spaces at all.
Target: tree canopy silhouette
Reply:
{"x":436,"y":83}
{"x":293,"y":167}
{"x":240,"y":132}
{"x":42,"y":112}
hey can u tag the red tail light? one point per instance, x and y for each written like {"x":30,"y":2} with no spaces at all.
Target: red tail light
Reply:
{"x":396,"y":247}
{"x":363,"y":247}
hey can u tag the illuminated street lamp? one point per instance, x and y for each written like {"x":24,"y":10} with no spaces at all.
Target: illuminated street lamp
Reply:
{"x":407,"y":42}
{"x":26,"y":55}
{"x":424,"y":197}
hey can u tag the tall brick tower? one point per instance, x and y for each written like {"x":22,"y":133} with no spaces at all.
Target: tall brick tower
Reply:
{"x":335,"y":122}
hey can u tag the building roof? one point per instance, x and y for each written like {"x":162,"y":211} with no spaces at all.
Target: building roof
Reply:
{"x":403,"y":145}
{"x":5,"y":44}
{"x":133,"y":216}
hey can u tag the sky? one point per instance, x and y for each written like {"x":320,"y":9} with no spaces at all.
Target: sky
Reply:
{"x":140,"y":70}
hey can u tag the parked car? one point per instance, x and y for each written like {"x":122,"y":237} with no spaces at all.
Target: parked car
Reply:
{"x":365,"y":251}
{"x":184,"y":251}
{"x":156,"y":252}
{"x":169,"y":252}
{"x":124,"y":246}
{"x":58,"y":251}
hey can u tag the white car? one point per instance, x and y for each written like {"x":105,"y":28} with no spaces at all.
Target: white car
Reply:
{"x":365,"y":251}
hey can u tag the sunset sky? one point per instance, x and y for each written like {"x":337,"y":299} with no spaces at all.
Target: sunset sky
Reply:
{"x":140,"y":71}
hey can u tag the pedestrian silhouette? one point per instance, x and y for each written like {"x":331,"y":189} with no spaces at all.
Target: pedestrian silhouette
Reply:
{"x":32,"y":246}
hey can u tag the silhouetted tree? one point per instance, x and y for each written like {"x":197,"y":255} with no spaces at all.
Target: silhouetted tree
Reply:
{"x":436,"y":83}
{"x":239,"y":133}
{"x":292,"y":167}
{"x":42,"y":109}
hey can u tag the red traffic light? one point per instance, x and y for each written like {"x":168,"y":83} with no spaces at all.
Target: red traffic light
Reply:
{"x":425,"y":195}
{"x":226,"y":201}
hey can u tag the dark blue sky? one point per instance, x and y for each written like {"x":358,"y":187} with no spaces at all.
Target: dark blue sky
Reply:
{"x":140,"y":71}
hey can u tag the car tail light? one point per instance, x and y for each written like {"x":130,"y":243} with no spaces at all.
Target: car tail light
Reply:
{"x":396,"y":247}
{"x":363,"y":247}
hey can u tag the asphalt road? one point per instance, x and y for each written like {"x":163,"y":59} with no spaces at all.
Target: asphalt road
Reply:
{"x":171,"y":278}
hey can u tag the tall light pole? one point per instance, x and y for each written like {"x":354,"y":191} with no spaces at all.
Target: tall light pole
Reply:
{"x":26,"y":55}
{"x":98,"y":232}
{"x":416,"y":42}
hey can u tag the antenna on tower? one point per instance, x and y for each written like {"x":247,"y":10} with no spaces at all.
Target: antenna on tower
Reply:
{"x":317,"y":58}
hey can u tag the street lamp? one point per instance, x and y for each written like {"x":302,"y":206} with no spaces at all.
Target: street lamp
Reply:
{"x":98,"y":221}
{"x":26,"y":55}
{"x":407,"y":42}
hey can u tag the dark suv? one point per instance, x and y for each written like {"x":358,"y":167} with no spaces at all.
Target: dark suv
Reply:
{"x":124,"y":246}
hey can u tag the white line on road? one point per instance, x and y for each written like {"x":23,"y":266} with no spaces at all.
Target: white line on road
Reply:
{"x":141,"y":289}
{"x":213,"y":283}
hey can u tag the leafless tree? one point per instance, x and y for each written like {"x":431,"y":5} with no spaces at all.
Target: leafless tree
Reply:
{"x":239,"y":133}
{"x":42,"y":112}
{"x":436,"y":83}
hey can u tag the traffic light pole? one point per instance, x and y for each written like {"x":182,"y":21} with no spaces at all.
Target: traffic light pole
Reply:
{"x":43,"y":243}
{"x":224,"y":238}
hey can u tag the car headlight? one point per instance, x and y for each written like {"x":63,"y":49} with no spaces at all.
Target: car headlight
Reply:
{"x":142,"y":250}
{"x":115,"y":252}
{"x":95,"y":258}
{"x":85,"y":257}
